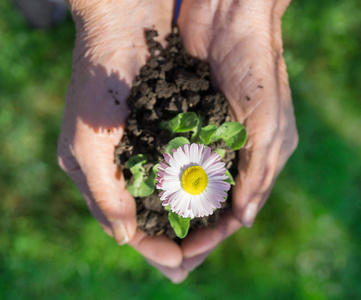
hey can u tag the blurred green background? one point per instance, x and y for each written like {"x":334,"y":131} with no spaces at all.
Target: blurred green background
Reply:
{"x":306,"y":241}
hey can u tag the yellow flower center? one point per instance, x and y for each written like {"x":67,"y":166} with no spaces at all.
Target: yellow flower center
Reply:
{"x":194,"y":180}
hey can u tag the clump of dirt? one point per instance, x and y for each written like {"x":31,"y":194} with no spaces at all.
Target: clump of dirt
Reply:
{"x":170,"y":83}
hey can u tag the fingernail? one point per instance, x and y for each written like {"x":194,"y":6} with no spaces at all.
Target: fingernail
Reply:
{"x":249,"y":214}
{"x":120,"y":233}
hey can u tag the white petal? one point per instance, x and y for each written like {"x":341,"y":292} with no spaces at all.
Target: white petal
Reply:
{"x":168,"y":184}
{"x":216,"y":168}
{"x":175,"y":201}
{"x":186,"y":149}
{"x":194,"y":154}
{"x":180,"y":157}
{"x":213,"y":199}
{"x":169,"y":193}
{"x":172,"y":171}
{"x":171,"y":177}
{"x":200,"y":153}
{"x":186,"y":210}
{"x":167,"y":196}
{"x":205,"y":156}
{"x":207,"y":205}
{"x":217,"y":177}
{"x":196,"y":205}
{"x":174,"y":164}
{"x":219,"y":185}
{"x":183,"y":208}
{"x":215,"y":193}
{"x":213,"y":158}
{"x":177,"y":156}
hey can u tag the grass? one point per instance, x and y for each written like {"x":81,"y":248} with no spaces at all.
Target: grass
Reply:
{"x":306,"y":241}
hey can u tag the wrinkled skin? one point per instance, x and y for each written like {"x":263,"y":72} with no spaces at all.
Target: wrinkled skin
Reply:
{"x":241,"y":40}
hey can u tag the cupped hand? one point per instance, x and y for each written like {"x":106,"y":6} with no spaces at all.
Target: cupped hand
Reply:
{"x":109,"y":51}
{"x":242,"y":42}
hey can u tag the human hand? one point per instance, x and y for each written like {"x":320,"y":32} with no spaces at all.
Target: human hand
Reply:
{"x":242,"y":42}
{"x":109,"y":51}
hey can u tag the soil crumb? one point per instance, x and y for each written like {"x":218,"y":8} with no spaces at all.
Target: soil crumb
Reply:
{"x":170,"y":83}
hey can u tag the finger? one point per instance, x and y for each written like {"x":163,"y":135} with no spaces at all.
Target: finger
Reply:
{"x":176,"y":275}
{"x":69,"y":164}
{"x":288,"y":147}
{"x":257,"y":172}
{"x":205,"y":239}
{"x":159,"y":249}
{"x":191,"y":263}
{"x":100,"y":180}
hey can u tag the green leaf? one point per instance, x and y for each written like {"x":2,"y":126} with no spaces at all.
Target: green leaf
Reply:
{"x":139,"y":185}
{"x":136,"y":159}
{"x":155,"y":169}
{"x":140,"y":190}
{"x":150,"y":181}
{"x":175,"y":143}
{"x":233,"y":133}
{"x":183,"y":122}
{"x":167,"y":208}
{"x":180,"y":225}
{"x":221,"y":152}
{"x":196,"y":130}
{"x":206,"y":133}
{"x":230,"y":179}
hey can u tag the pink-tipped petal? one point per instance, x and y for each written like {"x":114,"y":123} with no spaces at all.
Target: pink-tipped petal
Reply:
{"x":167,"y":157}
{"x":163,"y":165}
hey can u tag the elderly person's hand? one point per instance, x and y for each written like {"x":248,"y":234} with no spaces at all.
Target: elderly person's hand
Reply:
{"x":109,"y":51}
{"x":242,"y":42}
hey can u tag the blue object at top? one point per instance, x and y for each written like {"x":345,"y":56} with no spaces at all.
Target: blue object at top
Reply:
{"x":177,"y":9}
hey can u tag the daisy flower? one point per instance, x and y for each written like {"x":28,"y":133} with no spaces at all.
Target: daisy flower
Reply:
{"x":192,"y":180}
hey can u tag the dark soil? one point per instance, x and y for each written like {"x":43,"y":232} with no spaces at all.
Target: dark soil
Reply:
{"x":170,"y":83}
